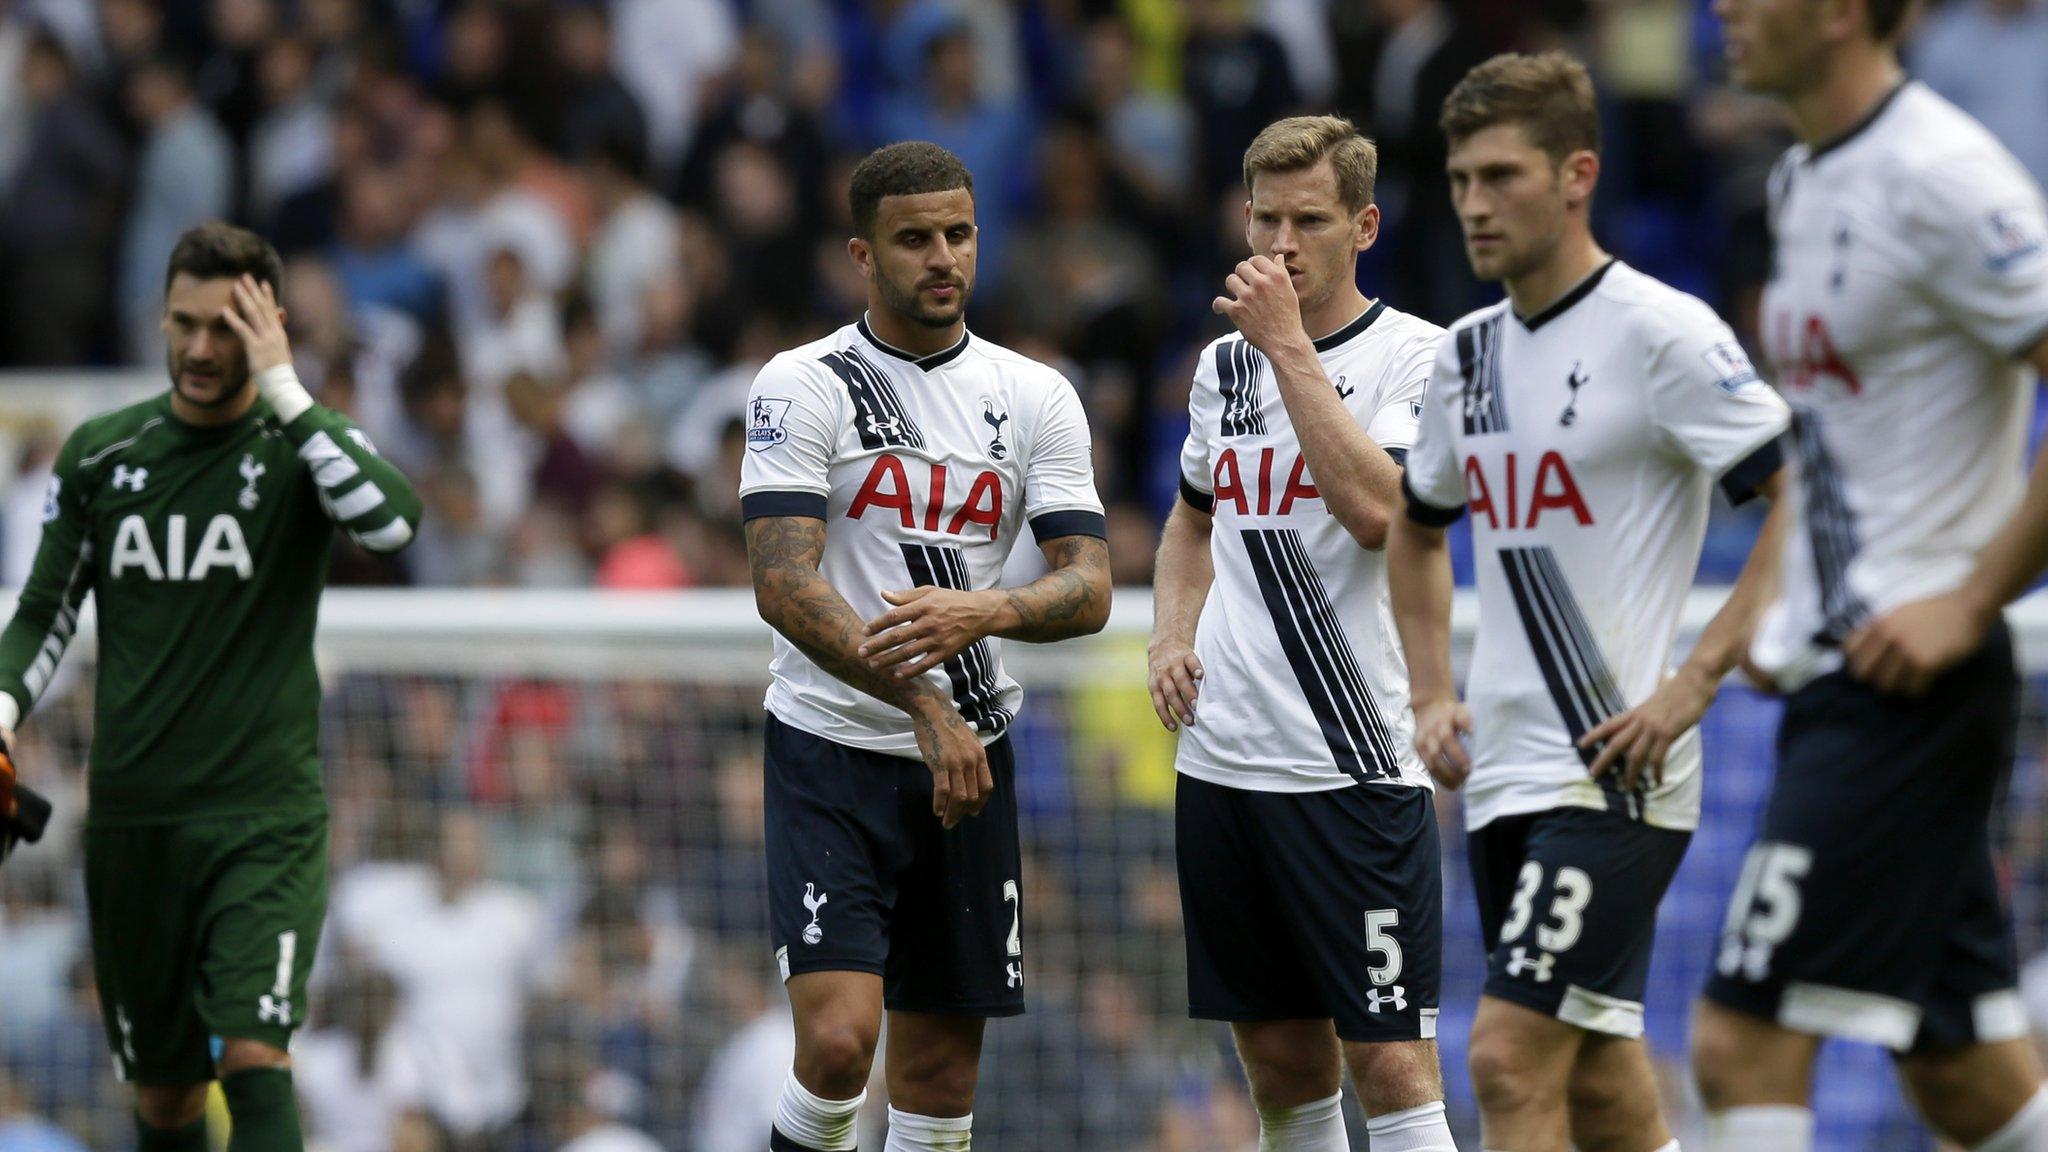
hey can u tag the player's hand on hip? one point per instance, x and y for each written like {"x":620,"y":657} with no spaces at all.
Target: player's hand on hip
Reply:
{"x":961,"y":781}
{"x":254,"y":315}
{"x":1259,"y":298}
{"x":1637,"y":740}
{"x":1175,"y":676}
{"x":927,"y":627}
{"x":1902,"y":651}
{"x":1440,"y":729}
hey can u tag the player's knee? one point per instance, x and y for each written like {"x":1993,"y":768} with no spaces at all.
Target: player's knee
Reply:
{"x":170,"y":1105}
{"x":1394,"y":1077}
{"x":935,"y":1082}
{"x":1287,"y":1065}
{"x":1503,"y":1076}
{"x":1596,"y":1093}
{"x":239,"y":1055}
{"x":833,"y":1057}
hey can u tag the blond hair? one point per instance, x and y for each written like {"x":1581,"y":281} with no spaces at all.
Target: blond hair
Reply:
{"x":1549,"y":95}
{"x":1301,"y":142}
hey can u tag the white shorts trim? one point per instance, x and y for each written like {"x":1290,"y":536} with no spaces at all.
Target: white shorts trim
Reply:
{"x":1595,"y":1012}
{"x":1870,"y":1017}
{"x":1428,"y":1029}
{"x":1999,"y":1016}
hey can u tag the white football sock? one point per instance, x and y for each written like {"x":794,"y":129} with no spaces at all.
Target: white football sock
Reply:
{"x":814,"y":1122}
{"x":2027,"y":1131}
{"x":1422,"y":1129}
{"x":909,"y":1132}
{"x":1761,"y":1128}
{"x":1317,"y":1126}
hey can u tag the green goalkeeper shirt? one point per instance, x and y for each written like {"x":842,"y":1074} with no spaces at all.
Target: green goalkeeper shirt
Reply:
{"x":206,"y":550}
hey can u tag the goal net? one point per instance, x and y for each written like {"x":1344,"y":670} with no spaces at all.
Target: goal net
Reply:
{"x":549,"y":910}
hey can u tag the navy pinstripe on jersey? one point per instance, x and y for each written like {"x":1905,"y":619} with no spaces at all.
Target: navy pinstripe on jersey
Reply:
{"x":1479,"y":363}
{"x":1321,"y":655}
{"x":973,"y":673}
{"x":1238,"y":366}
{"x":1831,"y":528}
{"x":878,"y":413}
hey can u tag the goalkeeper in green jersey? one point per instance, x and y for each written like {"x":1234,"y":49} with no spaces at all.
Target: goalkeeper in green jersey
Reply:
{"x":201,"y":521}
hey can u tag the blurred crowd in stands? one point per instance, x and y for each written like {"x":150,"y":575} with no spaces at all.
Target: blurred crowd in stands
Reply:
{"x":539,"y":247}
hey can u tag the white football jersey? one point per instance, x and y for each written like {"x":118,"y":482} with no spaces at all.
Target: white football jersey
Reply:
{"x":1911,"y":273}
{"x":925,"y":471}
{"x":1304,"y":687}
{"x":1583,"y":442}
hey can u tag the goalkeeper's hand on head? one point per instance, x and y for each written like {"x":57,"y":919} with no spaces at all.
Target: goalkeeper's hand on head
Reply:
{"x":23,"y":811}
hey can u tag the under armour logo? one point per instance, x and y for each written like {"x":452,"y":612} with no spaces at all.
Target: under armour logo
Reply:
{"x":885,"y":426}
{"x":1016,"y":974}
{"x":1839,"y":274}
{"x":1399,"y":999}
{"x":814,"y":900}
{"x":274,"y":1010}
{"x":127,"y":1034}
{"x":1519,"y":962}
{"x":1577,"y":380}
{"x":1345,"y":390}
{"x":996,"y":447}
{"x":130,"y":478}
{"x":250,"y":471}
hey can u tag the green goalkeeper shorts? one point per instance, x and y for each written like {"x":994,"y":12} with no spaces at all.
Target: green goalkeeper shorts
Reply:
{"x":202,"y":932}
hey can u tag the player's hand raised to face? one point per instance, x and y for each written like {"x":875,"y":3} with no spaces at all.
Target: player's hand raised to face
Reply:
{"x":1440,"y":728}
{"x":961,"y":781}
{"x":1259,"y":298}
{"x":254,"y":315}
{"x":1636,"y":741}
{"x":1902,"y":651}
{"x":928,"y":627}
{"x":1175,"y":675}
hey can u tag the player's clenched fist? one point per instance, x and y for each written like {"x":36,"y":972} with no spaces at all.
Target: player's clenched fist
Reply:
{"x":1440,"y":728}
{"x":961,"y":781}
{"x":1176,"y":679}
{"x":1259,"y":298}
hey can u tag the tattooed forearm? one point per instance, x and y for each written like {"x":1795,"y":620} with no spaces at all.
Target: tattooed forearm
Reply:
{"x":795,"y":600}
{"x":1070,"y":600}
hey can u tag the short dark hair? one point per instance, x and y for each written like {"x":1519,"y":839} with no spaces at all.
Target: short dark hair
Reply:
{"x":1887,"y":17}
{"x":220,"y":251}
{"x":1550,"y":95}
{"x":911,"y":168}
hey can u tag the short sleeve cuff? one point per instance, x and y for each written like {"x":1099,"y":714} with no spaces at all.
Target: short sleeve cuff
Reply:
{"x":1740,"y":483}
{"x":1400,"y":455}
{"x":1197,"y":499}
{"x":755,"y":505}
{"x":1072,"y":522}
{"x":1423,"y":512}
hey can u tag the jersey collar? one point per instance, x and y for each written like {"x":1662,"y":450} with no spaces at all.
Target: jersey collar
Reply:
{"x":1861,"y":126}
{"x":927,"y":363}
{"x":1352,"y":329}
{"x":1564,"y":303}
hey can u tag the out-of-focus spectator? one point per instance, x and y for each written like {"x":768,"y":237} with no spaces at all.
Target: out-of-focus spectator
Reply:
{"x":1149,"y":134}
{"x":1986,"y":56}
{"x":761,"y":106}
{"x":355,"y":1070}
{"x":58,"y":216}
{"x":236,"y":31}
{"x":991,"y":135}
{"x":670,"y":52}
{"x":1237,"y":80}
{"x":15,"y":33}
{"x":597,"y":108}
{"x":520,"y":332}
{"x":464,"y":950}
{"x":372,"y":257}
{"x":593,"y":1123}
{"x":22,"y":1130}
{"x":291,"y":146}
{"x":185,"y":177}
{"x":1399,"y":59}
{"x":638,"y":241}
